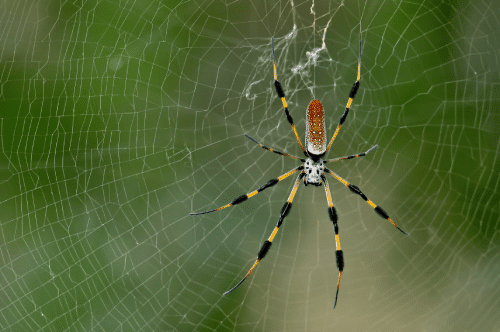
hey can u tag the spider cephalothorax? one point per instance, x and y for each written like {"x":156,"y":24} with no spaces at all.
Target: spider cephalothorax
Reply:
{"x":312,"y":169}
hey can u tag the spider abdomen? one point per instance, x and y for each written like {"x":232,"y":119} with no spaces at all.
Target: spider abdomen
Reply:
{"x":315,"y":132}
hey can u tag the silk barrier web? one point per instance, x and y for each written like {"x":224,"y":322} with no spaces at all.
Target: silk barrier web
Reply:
{"x":119,"y":118}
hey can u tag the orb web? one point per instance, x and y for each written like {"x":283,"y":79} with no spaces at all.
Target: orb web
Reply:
{"x":120,"y":118}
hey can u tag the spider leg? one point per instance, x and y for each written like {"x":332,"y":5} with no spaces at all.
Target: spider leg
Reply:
{"x":356,"y":190}
{"x":333,"y":217}
{"x":265,"y":247}
{"x":352,"y":156}
{"x":281,"y":95}
{"x":352,"y":94}
{"x":275,"y":151}
{"x":243,"y":198}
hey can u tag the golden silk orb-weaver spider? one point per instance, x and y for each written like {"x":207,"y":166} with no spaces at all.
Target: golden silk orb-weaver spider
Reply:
{"x":312,"y":170}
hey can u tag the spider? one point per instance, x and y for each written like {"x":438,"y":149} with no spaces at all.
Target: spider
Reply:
{"x":312,"y":171}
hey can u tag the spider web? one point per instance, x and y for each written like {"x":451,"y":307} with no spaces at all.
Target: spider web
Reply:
{"x":118,"y":118}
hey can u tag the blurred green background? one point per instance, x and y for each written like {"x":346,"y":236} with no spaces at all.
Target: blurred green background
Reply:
{"x":118,"y":118}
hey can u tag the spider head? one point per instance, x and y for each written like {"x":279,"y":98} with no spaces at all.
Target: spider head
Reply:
{"x":313,"y":172}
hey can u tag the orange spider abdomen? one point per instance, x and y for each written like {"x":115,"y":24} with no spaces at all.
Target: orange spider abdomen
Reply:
{"x":315,"y":132}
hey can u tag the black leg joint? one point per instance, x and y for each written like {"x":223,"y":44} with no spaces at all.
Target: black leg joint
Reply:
{"x":269,"y":183}
{"x":279,"y":89}
{"x":354,"y":89}
{"x":240,"y":199}
{"x":340,"y":260}
{"x":263,"y":251}
{"x":280,"y":221}
{"x":344,"y":116}
{"x":288,"y":116}
{"x":333,"y":214}
{"x":285,"y":210}
{"x":356,"y":190}
{"x":381,"y":212}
